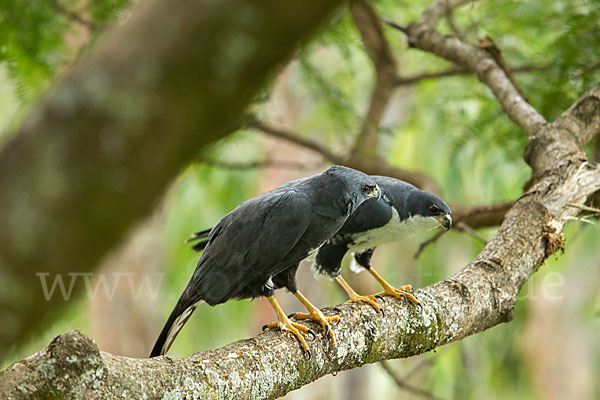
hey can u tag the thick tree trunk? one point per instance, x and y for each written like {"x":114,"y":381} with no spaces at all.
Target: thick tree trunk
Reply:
{"x":97,"y":153}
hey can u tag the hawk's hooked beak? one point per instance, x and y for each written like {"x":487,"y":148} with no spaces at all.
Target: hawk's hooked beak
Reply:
{"x":446,"y":221}
{"x":375,"y":192}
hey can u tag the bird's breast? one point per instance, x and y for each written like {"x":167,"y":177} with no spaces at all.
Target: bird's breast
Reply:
{"x":395,"y":230}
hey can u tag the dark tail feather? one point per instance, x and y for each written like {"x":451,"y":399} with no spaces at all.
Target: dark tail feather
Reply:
{"x":201,"y":238}
{"x":177,"y":319}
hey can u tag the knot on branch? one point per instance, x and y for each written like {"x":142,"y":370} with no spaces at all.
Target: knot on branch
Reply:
{"x":554,"y":241}
{"x":587,"y":109}
{"x":73,"y":366}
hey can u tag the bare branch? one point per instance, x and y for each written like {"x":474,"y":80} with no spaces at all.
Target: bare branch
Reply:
{"x":377,"y":167}
{"x":594,"y":211}
{"x":72,"y":16}
{"x":481,"y":216}
{"x":252,"y":122}
{"x":455,"y":71}
{"x":425,"y":362}
{"x":401,"y":383}
{"x":374,"y":167}
{"x":268,"y":163}
{"x":371,"y":31}
{"x":587,"y":69}
{"x":471,"y":232}
{"x":427,"y":242}
{"x":422,"y":35}
{"x":467,"y":219}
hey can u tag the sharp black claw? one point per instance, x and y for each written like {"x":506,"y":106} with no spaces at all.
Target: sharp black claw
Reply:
{"x":314,"y":335}
{"x":337,"y":322}
{"x":335,"y":351}
{"x":379,"y":297}
{"x":264,"y":328}
{"x":420,"y":306}
{"x":382,"y":312}
{"x":292,"y":315}
{"x":326,"y":330}
{"x":308,"y":354}
{"x":364,"y":302}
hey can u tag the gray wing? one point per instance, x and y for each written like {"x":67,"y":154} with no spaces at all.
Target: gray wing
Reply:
{"x":371,"y":214}
{"x":253,"y":242}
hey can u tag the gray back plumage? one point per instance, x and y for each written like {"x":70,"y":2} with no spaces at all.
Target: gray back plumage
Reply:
{"x":271,"y":232}
{"x":264,"y":236}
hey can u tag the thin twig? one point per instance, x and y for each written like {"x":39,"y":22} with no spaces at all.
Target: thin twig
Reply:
{"x":456,"y":71}
{"x":587,"y":69}
{"x":426,"y":243}
{"x":268,"y":163}
{"x":424,"y":362}
{"x":481,"y":216}
{"x":470,"y":231}
{"x":402,"y":384}
{"x":395,"y":25}
{"x":584,"y":208}
{"x":467,"y":219}
{"x":253,"y":122}
{"x":72,"y":16}
{"x":581,"y":219}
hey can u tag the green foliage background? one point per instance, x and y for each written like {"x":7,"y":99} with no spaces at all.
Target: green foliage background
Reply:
{"x":452,"y":129}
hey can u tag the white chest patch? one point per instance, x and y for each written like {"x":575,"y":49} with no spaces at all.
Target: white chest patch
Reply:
{"x":393,"y":231}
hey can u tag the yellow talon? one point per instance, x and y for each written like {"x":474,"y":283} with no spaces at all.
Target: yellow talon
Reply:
{"x":314,"y":314}
{"x":403,"y":292}
{"x":284,"y":323}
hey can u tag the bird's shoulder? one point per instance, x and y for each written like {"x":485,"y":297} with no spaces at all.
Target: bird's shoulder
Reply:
{"x":371,"y":214}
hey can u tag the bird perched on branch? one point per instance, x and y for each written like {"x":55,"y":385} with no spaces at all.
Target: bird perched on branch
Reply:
{"x":257,"y":247}
{"x":401,"y":212}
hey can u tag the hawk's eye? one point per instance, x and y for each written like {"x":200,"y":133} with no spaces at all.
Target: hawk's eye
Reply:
{"x":366,"y":189}
{"x":434,"y":209}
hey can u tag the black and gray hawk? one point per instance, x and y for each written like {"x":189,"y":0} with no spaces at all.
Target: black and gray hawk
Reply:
{"x":401,"y":212}
{"x":257,"y":247}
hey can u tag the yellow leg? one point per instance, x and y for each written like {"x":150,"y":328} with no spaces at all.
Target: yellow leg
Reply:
{"x":356,"y":298}
{"x":403,"y":292}
{"x":284,"y":323}
{"x":316,"y":315}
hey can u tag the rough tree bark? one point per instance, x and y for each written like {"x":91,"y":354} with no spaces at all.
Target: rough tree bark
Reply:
{"x":97,"y":153}
{"x":478,"y":297}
